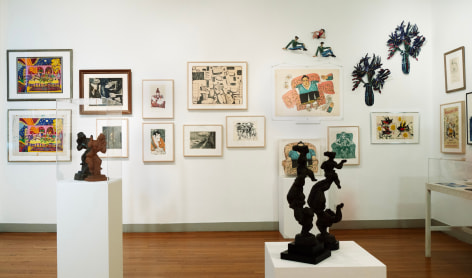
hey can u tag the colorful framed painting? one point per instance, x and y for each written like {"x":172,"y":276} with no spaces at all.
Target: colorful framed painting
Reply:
{"x":245,"y":131}
{"x":158,"y":142}
{"x":288,"y":157}
{"x":217,"y":85}
{"x":116,"y":134}
{"x":344,"y":140}
{"x":39,"y":74}
{"x":469,"y":117}
{"x":158,"y":98}
{"x":105,"y":91}
{"x":452,"y":130}
{"x":203,"y":140}
{"x":307,"y":93}
{"x":39,"y":135}
{"x":394,"y":127}
{"x":454,"y":70}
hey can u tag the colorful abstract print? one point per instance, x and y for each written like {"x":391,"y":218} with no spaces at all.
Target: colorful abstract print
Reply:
{"x":40,"y":135}
{"x":39,"y":75}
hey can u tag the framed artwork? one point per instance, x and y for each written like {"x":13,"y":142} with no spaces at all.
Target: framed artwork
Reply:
{"x":469,"y":117}
{"x":105,"y":91}
{"x":344,"y":140}
{"x":39,"y":135}
{"x":158,"y":142}
{"x":245,"y":131}
{"x":307,"y":92}
{"x":388,"y":127}
{"x":203,"y":140}
{"x":39,"y":74}
{"x":454,"y":70}
{"x":158,"y":98}
{"x":116,"y":134}
{"x":217,"y":85}
{"x":452,"y":121}
{"x":288,"y":157}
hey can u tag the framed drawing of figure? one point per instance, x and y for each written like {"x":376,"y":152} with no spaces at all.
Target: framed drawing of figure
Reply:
{"x":344,"y":140}
{"x":454,"y":70}
{"x":452,"y":130}
{"x":158,"y":142}
{"x":158,"y":98}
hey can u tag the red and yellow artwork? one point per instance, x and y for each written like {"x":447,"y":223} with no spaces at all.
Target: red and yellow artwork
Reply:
{"x":39,"y":75}
{"x":40,"y":135}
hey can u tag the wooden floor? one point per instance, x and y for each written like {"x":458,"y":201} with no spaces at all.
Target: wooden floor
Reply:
{"x":237,"y":254}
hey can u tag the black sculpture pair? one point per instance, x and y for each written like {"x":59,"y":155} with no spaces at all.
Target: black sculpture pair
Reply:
{"x":308,"y":248}
{"x":91,"y":163}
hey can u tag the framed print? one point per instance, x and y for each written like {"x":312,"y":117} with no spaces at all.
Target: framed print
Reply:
{"x":245,"y":131}
{"x":105,"y":91}
{"x":116,"y":134}
{"x":158,"y":142}
{"x":391,"y":127}
{"x":454,"y":70}
{"x":288,"y":157}
{"x":39,"y":74}
{"x":158,"y":98}
{"x":203,"y":140}
{"x":39,"y":135}
{"x":452,"y":127}
{"x":307,"y":93}
{"x":344,"y":140}
{"x":469,"y":117}
{"x":217,"y":85}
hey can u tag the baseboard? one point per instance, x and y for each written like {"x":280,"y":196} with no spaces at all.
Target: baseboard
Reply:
{"x":201,"y":227}
{"x":27,"y":228}
{"x":378,"y":224}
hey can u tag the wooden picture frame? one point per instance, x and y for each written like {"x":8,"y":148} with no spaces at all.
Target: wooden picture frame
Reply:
{"x":452,"y":127}
{"x":116,"y":134}
{"x":203,"y":140}
{"x":158,"y":99}
{"x":39,"y":135}
{"x":394,"y":127}
{"x":245,"y":132}
{"x":468,"y":98}
{"x":39,"y":74}
{"x":158,"y":142}
{"x":344,"y":140}
{"x":217,"y":85}
{"x":105,"y":91}
{"x":454,"y":70}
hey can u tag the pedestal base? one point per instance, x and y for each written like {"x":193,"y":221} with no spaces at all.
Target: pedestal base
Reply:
{"x":305,"y":254}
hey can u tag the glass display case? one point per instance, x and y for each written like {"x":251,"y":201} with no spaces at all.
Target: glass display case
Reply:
{"x":449,"y":171}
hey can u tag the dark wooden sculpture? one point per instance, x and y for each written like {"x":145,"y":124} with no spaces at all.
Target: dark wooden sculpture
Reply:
{"x":82,"y":143}
{"x":306,"y":247}
{"x":93,"y":161}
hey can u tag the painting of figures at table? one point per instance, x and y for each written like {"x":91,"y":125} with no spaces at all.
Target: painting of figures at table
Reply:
{"x":39,"y":75}
{"x":217,"y":85}
{"x":307,"y":92}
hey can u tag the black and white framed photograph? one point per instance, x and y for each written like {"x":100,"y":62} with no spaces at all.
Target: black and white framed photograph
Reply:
{"x":116,"y":134}
{"x":203,"y":140}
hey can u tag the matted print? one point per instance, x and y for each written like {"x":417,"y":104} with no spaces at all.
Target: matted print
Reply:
{"x":116,"y":134}
{"x":452,"y":121}
{"x":469,"y":117}
{"x":245,"y":131}
{"x":388,"y":127}
{"x":158,"y":98}
{"x":41,"y":74}
{"x":307,"y":92}
{"x":288,"y":157}
{"x":39,"y":135}
{"x":217,"y":85}
{"x":344,"y":140}
{"x":454,"y":70}
{"x":203,"y":140}
{"x":158,"y":142}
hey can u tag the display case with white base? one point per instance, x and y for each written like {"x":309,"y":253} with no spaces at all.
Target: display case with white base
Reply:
{"x":89,"y":213}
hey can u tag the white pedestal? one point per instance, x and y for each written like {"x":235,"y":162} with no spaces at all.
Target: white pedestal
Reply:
{"x":350,"y":260}
{"x":288,"y":226}
{"x":89,"y":229}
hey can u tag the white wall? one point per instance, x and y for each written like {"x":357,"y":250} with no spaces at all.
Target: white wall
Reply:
{"x":157,"y":38}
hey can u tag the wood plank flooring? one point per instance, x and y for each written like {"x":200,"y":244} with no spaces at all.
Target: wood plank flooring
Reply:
{"x":237,"y":254}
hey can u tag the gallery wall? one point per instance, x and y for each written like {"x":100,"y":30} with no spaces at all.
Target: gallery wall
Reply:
{"x":156,"y":39}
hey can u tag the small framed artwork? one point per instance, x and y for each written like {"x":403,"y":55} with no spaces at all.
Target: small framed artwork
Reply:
{"x":105,"y":91}
{"x":245,"y":131}
{"x":116,"y":134}
{"x":469,"y":117}
{"x":40,"y":74}
{"x":454,"y":70}
{"x":39,"y":135}
{"x":344,"y":140}
{"x":289,"y":157}
{"x":452,"y":121}
{"x":203,"y":140}
{"x":158,"y":98}
{"x":158,"y":142}
{"x":388,"y":127}
{"x":217,"y":85}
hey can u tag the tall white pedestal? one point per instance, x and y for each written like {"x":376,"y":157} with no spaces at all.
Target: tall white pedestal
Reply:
{"x":89,"y":229}
{"x":350,"y":260}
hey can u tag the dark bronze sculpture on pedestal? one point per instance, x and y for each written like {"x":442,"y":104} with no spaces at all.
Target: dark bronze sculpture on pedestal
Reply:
{"x":82,"y":143}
